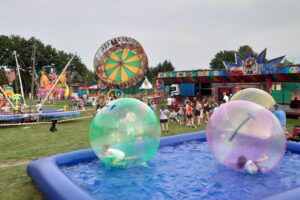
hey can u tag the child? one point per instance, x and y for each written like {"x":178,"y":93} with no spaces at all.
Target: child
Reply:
{"x":181,"y":114}
{"x":94,"y":103}
{"x":116,"y":155}
{"x":249,"y":166}
{"x":173,"y":116}
{"x":39,"y":107}
{"x":164,"y":119}
{"x":153,"y":106}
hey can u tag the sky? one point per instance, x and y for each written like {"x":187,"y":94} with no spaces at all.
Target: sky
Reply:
{"x":186,"y":32}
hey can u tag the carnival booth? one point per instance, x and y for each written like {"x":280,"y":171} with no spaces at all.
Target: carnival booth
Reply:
{"x":282,"y":82}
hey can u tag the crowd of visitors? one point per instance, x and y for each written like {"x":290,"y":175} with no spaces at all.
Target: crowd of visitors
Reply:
{"x":195,"y":111}
{"x":192,"y":112}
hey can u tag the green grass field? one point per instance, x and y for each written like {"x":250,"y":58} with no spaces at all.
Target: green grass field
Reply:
{"x":25,"y":143}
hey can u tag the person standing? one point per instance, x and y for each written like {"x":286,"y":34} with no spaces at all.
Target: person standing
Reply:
{"x":164,"y":119}
{"x":94,"y":103}
{"x":190,"y":114}
{"x":181,"y":114}
{"x":39,"y":107}
{"x":153,"y":106}
{"x":75,"y":104}
{"x":199,"y":113}
{"x":169,"y":102}
{"x":281,"y":116}
{"x":174,"y":105}
{"x":225,"y":97}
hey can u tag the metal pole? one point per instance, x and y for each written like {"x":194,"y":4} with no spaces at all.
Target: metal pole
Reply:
{"x":18,"y":68}
{"x":33,"y":75}
{"x":57,"y":80}
{"x":7,"y":97}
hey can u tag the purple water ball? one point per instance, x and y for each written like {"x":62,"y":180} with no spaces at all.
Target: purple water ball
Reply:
{"x":245,"y":129}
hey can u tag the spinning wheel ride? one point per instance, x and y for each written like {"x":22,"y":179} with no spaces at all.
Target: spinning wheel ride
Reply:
{"x":120,"y":62}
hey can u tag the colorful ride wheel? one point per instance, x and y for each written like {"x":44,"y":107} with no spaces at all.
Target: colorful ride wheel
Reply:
{"x":121,"y":62}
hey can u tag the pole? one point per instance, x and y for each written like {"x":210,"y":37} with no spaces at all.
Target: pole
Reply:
{"x":67,"y":65}
{"x":33,"y":75}
{"x":7,"y":97}
{"x":18,"y":68}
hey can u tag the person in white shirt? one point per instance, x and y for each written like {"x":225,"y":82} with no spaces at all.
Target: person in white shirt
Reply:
{"x":23,"y":108}
{"x":39,"y":107}
{"x":251,"y":166}
{"x":164,"y":119}
{"x":225,"y":97}
{"x":117,"y":156}
{"x":169,"y":102}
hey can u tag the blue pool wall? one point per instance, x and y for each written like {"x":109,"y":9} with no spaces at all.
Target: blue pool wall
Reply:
{"x":55,"y":185}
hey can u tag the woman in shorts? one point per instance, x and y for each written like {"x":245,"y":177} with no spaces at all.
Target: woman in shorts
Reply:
{"x":190,"y":115}
{"x":164,"y":119}
{"x":199,"y":113}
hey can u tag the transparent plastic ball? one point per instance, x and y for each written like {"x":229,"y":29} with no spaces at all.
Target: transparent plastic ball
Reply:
{"x":125,"y":133}
{"x":255,"y":95}
{"x":242,"y":129}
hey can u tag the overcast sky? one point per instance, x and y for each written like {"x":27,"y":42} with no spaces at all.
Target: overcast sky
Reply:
{"x":187,"y":32}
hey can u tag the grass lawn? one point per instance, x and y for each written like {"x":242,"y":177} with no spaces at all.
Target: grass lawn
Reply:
{"x":22,"y":144}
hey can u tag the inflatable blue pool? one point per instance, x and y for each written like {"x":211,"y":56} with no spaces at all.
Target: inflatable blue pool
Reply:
{"x":183,"y":168}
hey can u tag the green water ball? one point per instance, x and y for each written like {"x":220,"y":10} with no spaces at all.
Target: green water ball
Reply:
{"x":125,"y":133}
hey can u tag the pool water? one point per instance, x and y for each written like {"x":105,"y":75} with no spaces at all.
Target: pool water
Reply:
{"x":185,"y":171}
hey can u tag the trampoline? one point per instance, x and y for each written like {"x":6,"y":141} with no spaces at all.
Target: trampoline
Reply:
{"x":11,"y":118}
{"x":59,"y":114}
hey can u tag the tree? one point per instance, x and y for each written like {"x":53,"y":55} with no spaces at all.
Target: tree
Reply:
{"x":244,"y":50}
{"x":47,"y":58}
{"x":220,"y":57}
{"x":229,"y":56}
{"x":2,"y":77}
{"x":166,"y":66}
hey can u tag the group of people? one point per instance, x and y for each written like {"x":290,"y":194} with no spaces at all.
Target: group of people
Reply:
{"x":79,"y":104}
{"x":197,"y":111}
{"x":192,"y":111}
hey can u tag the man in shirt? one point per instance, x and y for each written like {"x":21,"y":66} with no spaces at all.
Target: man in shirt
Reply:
{"x":169,"y":102}
{"x":280,"y":114}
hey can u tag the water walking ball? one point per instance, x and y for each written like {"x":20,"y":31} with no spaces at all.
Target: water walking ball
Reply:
{"x":125,"y":133}
{"x":245,"y":129}
{"x":255,"y":95}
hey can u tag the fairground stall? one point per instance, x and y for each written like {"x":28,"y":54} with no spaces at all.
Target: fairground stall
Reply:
{"x":282,"y":82}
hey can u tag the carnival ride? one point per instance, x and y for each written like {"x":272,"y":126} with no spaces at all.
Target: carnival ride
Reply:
{"x":120,"y":63}
{"x":50,"y":86}
{"x":61,"y":90}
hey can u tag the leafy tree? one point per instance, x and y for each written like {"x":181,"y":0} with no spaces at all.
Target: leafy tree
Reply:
{"x":166,"y":66}
{"x":47,"y":59}
{"x":2,"y":77}
{"x":244,"y":50}
{"x":229,"y":56}
{"x":220,"y":57}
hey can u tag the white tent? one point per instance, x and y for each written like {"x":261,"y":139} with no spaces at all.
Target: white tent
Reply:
{"x":146,"y":85}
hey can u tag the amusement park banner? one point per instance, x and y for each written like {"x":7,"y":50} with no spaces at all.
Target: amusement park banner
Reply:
{"x":294,"y":69}
{"x":251,"y":65}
